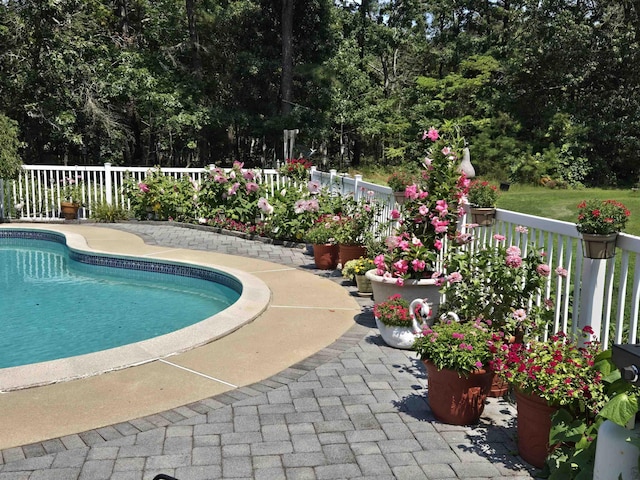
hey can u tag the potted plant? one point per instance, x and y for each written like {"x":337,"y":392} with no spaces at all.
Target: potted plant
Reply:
{"x":429,"y":215}
{"x":482,"y":197}
{"x":354,"y":229}
{"x":500,"y":284}
{"x":546,"y":376}
{"x":457,"y":357}
{"x":600,"y":221}
{"x":297,"y":169}
{"x":355,"y":270}
{"x":71,"y":196}
{"x":397,"y":324}
{"x":323,"y":238}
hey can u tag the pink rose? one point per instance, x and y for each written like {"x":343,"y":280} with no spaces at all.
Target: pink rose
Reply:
{"x":543,"y":269}
{"x":514,"y":261}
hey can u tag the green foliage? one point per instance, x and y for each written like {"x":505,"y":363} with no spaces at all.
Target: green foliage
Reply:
{"x":104,"y":213}
{"x":460,"y":346}
{"x":233,"y":195}
{"x":574,"y":432}
{"x":500,"y":285}
{"x":160,"y":197}
{"x":10,"y":161}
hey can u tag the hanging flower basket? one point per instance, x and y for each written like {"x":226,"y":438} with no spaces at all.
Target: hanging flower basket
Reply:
{"x":599,"y":247}
{"x":483,"y":216}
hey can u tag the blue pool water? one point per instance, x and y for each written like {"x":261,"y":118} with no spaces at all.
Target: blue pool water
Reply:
{"x":53,"y":307}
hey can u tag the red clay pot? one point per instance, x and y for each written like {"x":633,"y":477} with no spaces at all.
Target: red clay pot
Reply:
{"x":534,"y":425}
{"x":325,"y":256}
{"x":351,"y":252}
{"x":454,"y":398}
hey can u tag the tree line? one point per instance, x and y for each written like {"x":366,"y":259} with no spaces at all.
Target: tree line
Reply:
{"x":543,"y":90}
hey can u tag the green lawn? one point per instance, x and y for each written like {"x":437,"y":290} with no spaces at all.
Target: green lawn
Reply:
{"x":561,"y":204}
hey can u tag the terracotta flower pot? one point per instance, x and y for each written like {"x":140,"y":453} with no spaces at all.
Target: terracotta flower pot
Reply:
{"x":351,"y":252}
{"x":534,"y":425}
{"x":325,"y":256}
{"x":69,"y":210}
{"x":454,"y":398}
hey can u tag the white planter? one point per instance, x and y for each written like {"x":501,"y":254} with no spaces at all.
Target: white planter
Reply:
{"x":383,"y":288}
{"x":396,"y":337}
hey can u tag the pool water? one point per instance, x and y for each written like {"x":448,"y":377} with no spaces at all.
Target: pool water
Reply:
{"x":54,"y":307}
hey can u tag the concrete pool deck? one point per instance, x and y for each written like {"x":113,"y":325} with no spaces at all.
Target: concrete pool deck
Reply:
{"x":284,"y":334}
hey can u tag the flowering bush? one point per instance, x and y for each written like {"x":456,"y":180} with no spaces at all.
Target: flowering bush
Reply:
{"x":430,"y":212}
{"x":557,"y":370}
{"x":500,"y":285}
{"x":460,"y":346}
{"x":482,"y":194}
{"x":357,"y":219}
{"x":406,"y":258}
{"x":394,"y":312}
{"x":324,"y":230}
{"x":294,"y":210}
{"x":601,"y":217}
{"x":296,"y":168}
{"x":232,"y":194}
{"x":71,"y":189}
{"x":160,"y":196}
{"x":358,"y":266}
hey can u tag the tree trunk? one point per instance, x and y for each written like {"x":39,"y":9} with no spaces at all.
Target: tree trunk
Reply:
{"x":196,"y":63}
{"x":286,"y":84}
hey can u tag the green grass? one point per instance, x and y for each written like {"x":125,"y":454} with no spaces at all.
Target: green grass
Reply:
{"x":561,"y":204}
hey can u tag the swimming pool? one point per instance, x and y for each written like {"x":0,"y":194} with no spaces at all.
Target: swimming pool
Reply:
{"x":191,"y":300}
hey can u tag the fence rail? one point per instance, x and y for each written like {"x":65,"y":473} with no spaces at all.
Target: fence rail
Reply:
{"x":604,"y":294}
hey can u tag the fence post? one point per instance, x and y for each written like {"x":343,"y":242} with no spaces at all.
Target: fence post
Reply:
{"x":332,"y":178}
{"x":592,"y":296}
{"x":356,"y":186}
{"x":108,"y":184}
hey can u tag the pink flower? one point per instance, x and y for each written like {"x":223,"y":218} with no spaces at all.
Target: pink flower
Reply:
{"x":432,"y":134}
{"x":519,"y":314}
{"x":513,"y":251}
{"x":514,"y":261}
{"x":379,"y":262}
{"x":248,"y":175}
{"x":299,"y":206}
{"x":392,"y":241}
{"x":404,"y":245}
{"x":562,"y":272}
{"x":264,"y":205}
{"x":411,"y":191}
{"x":442,"y":207}
{"x":400,"y":282}
{"x":401,"y":266}
{"x":416,"y":242}
{"x":446,"y":151}
{"x":233,"y":188}
{"x":499,"y":238}
{"x":395,"y":214}
{"x":458,"y":336}
{"x":314,"y":187}
{"x":437,"y":244}
{"x":543,"y":269}
{"x":521,"y":229}
{"x":252,"y":187}
{"x":237,"y":164}
{"x":455,"y":277}
{"x":220,"y":179}
{"x":143,"y":187}
{"x":423,"y":210}
{"x":479,"y":364}
{"x":418,"y":265}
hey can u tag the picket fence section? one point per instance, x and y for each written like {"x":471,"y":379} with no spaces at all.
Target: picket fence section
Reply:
{"x":604,"y":294}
